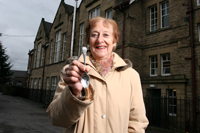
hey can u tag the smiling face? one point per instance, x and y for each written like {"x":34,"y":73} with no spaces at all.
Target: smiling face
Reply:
{"x":101,"y":40}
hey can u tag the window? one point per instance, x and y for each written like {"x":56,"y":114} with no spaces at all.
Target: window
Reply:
{"x":153,"y":18}
{"x":198,"y":2}
{"x":94,"y":12}
{"x":53,"y":83}
{"x":81,"y":39}
{"x":19,"y":83}
{"x":35,"y":83}
{"x":51,"y":52}
{"x":39,"y":83}
{"x":34,"y":64}
{"x":42,"y":58}
{"x":38,"y":55}
{"x":47,"y":92}
{"x":153,"y":65}
{"x":57,"y":46}
{"x":31,"y":83}
{"x":165,"y":64}
{"x":47,"y":84}
{"x":171,"y":102}
{"x":109,"y":13}
{"x":164,"y":14}
{"x":199,"y":30}
{"x":64,"y":44}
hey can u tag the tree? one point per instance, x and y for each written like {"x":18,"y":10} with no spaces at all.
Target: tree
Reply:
{"x":5,"y":66}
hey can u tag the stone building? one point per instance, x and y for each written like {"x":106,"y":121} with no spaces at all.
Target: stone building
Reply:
{"x":160,"y":37}
{"x":18,"y":78}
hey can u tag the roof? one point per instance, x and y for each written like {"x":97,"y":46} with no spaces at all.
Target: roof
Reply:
{"x":19,"y":74}
{"x":47,"y":27}
{"x":68,"y":8}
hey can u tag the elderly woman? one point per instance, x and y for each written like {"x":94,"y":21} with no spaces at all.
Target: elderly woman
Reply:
{"x":113,"y":102}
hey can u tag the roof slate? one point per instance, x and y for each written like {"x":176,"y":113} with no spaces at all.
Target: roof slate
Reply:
{"x":17,"y":73}
{"x":47,"y":27}
{"x":69,"y":9}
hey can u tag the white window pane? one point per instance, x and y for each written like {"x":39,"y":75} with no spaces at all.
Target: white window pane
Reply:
{"x":165,"y":14}
{"x":153,"y":66}
{"x":95,"y":12}
{"x":47,"y":84}
{"x":57,"y":46}
{"x":165,"y":64}
{"x":81,"y":36}
{"x":153,"y":18}
{"x":35,"y":83}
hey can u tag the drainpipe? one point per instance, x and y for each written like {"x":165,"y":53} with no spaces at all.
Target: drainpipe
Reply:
{"x":190,"y":11}
{"x":120,"y":8}
{"x":43,"y":71}
{"x":72,"y":39}
{"x":29,"y":67}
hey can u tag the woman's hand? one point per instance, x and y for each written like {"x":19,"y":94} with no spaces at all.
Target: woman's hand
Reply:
{"x":72,"y":76}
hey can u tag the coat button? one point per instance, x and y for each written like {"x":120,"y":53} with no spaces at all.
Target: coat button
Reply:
{"x":103,"y":116}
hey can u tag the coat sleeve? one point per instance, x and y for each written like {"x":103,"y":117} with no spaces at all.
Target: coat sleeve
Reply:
{"x":138,"y":121}
{"x":66,"y":109}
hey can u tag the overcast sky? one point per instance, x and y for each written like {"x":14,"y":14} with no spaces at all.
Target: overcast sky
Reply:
{"x":19,"y":23}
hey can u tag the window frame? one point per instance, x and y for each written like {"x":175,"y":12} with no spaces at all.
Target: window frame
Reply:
{"x":172,"y":104}
{"x":161,"y":13}
{"x":64,"y":45}
{"x":53,"y":83}
{"x":155,"y":64}
{"x":96,"y":12}
{"x":19,"y":83}
{"x":108,"y":11}
{"x":31,"y":83}
{"x":81,"y":38}
{"x":39,"y":83}
{"x":163,"y":61}
{"x":51,"y":49}
{"x":198,"y":2}
{"x":57,"y":46}
{"x":35,"y":83}
{"x":42,"y":57}
{"x":155,"y":19}
{"x":47,"y":83}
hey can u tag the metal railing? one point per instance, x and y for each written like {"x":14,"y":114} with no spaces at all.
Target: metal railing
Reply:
{"x":164,"y":113}
{"x":177,"y":117}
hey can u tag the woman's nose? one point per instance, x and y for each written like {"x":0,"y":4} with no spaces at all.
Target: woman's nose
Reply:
{"x":100,"y":38}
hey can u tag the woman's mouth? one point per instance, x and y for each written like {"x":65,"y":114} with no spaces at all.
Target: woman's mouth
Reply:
{"x":101,"y":47}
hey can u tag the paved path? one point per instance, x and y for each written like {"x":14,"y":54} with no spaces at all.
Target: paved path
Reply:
{"x":19,"y":115}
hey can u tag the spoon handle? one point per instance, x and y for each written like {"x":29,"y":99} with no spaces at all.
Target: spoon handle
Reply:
{"x":84,"y":50}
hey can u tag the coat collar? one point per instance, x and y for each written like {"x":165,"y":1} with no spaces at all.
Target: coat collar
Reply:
{"x":118,"y":63}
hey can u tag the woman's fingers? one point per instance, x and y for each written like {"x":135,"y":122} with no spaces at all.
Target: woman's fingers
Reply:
{"x":79,"y":65}
{"x":72,"y":76}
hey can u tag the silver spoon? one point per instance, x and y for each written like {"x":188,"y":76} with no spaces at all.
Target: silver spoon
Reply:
{"x":85,"y":79}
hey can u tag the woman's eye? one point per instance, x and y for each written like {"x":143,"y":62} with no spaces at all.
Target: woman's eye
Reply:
{"x":94,"y":35}
{"x":106,"y":35}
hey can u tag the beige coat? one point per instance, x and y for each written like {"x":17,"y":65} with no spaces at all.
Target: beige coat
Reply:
{"x":114,"y":105}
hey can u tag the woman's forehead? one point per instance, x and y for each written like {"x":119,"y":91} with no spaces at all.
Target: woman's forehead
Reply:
{"x":104,"y":23}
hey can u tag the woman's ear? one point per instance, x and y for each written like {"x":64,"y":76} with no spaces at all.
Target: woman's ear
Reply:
{"x":114,"y":46}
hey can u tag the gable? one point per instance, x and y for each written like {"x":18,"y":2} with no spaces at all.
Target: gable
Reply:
{"x":43,"y":30}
